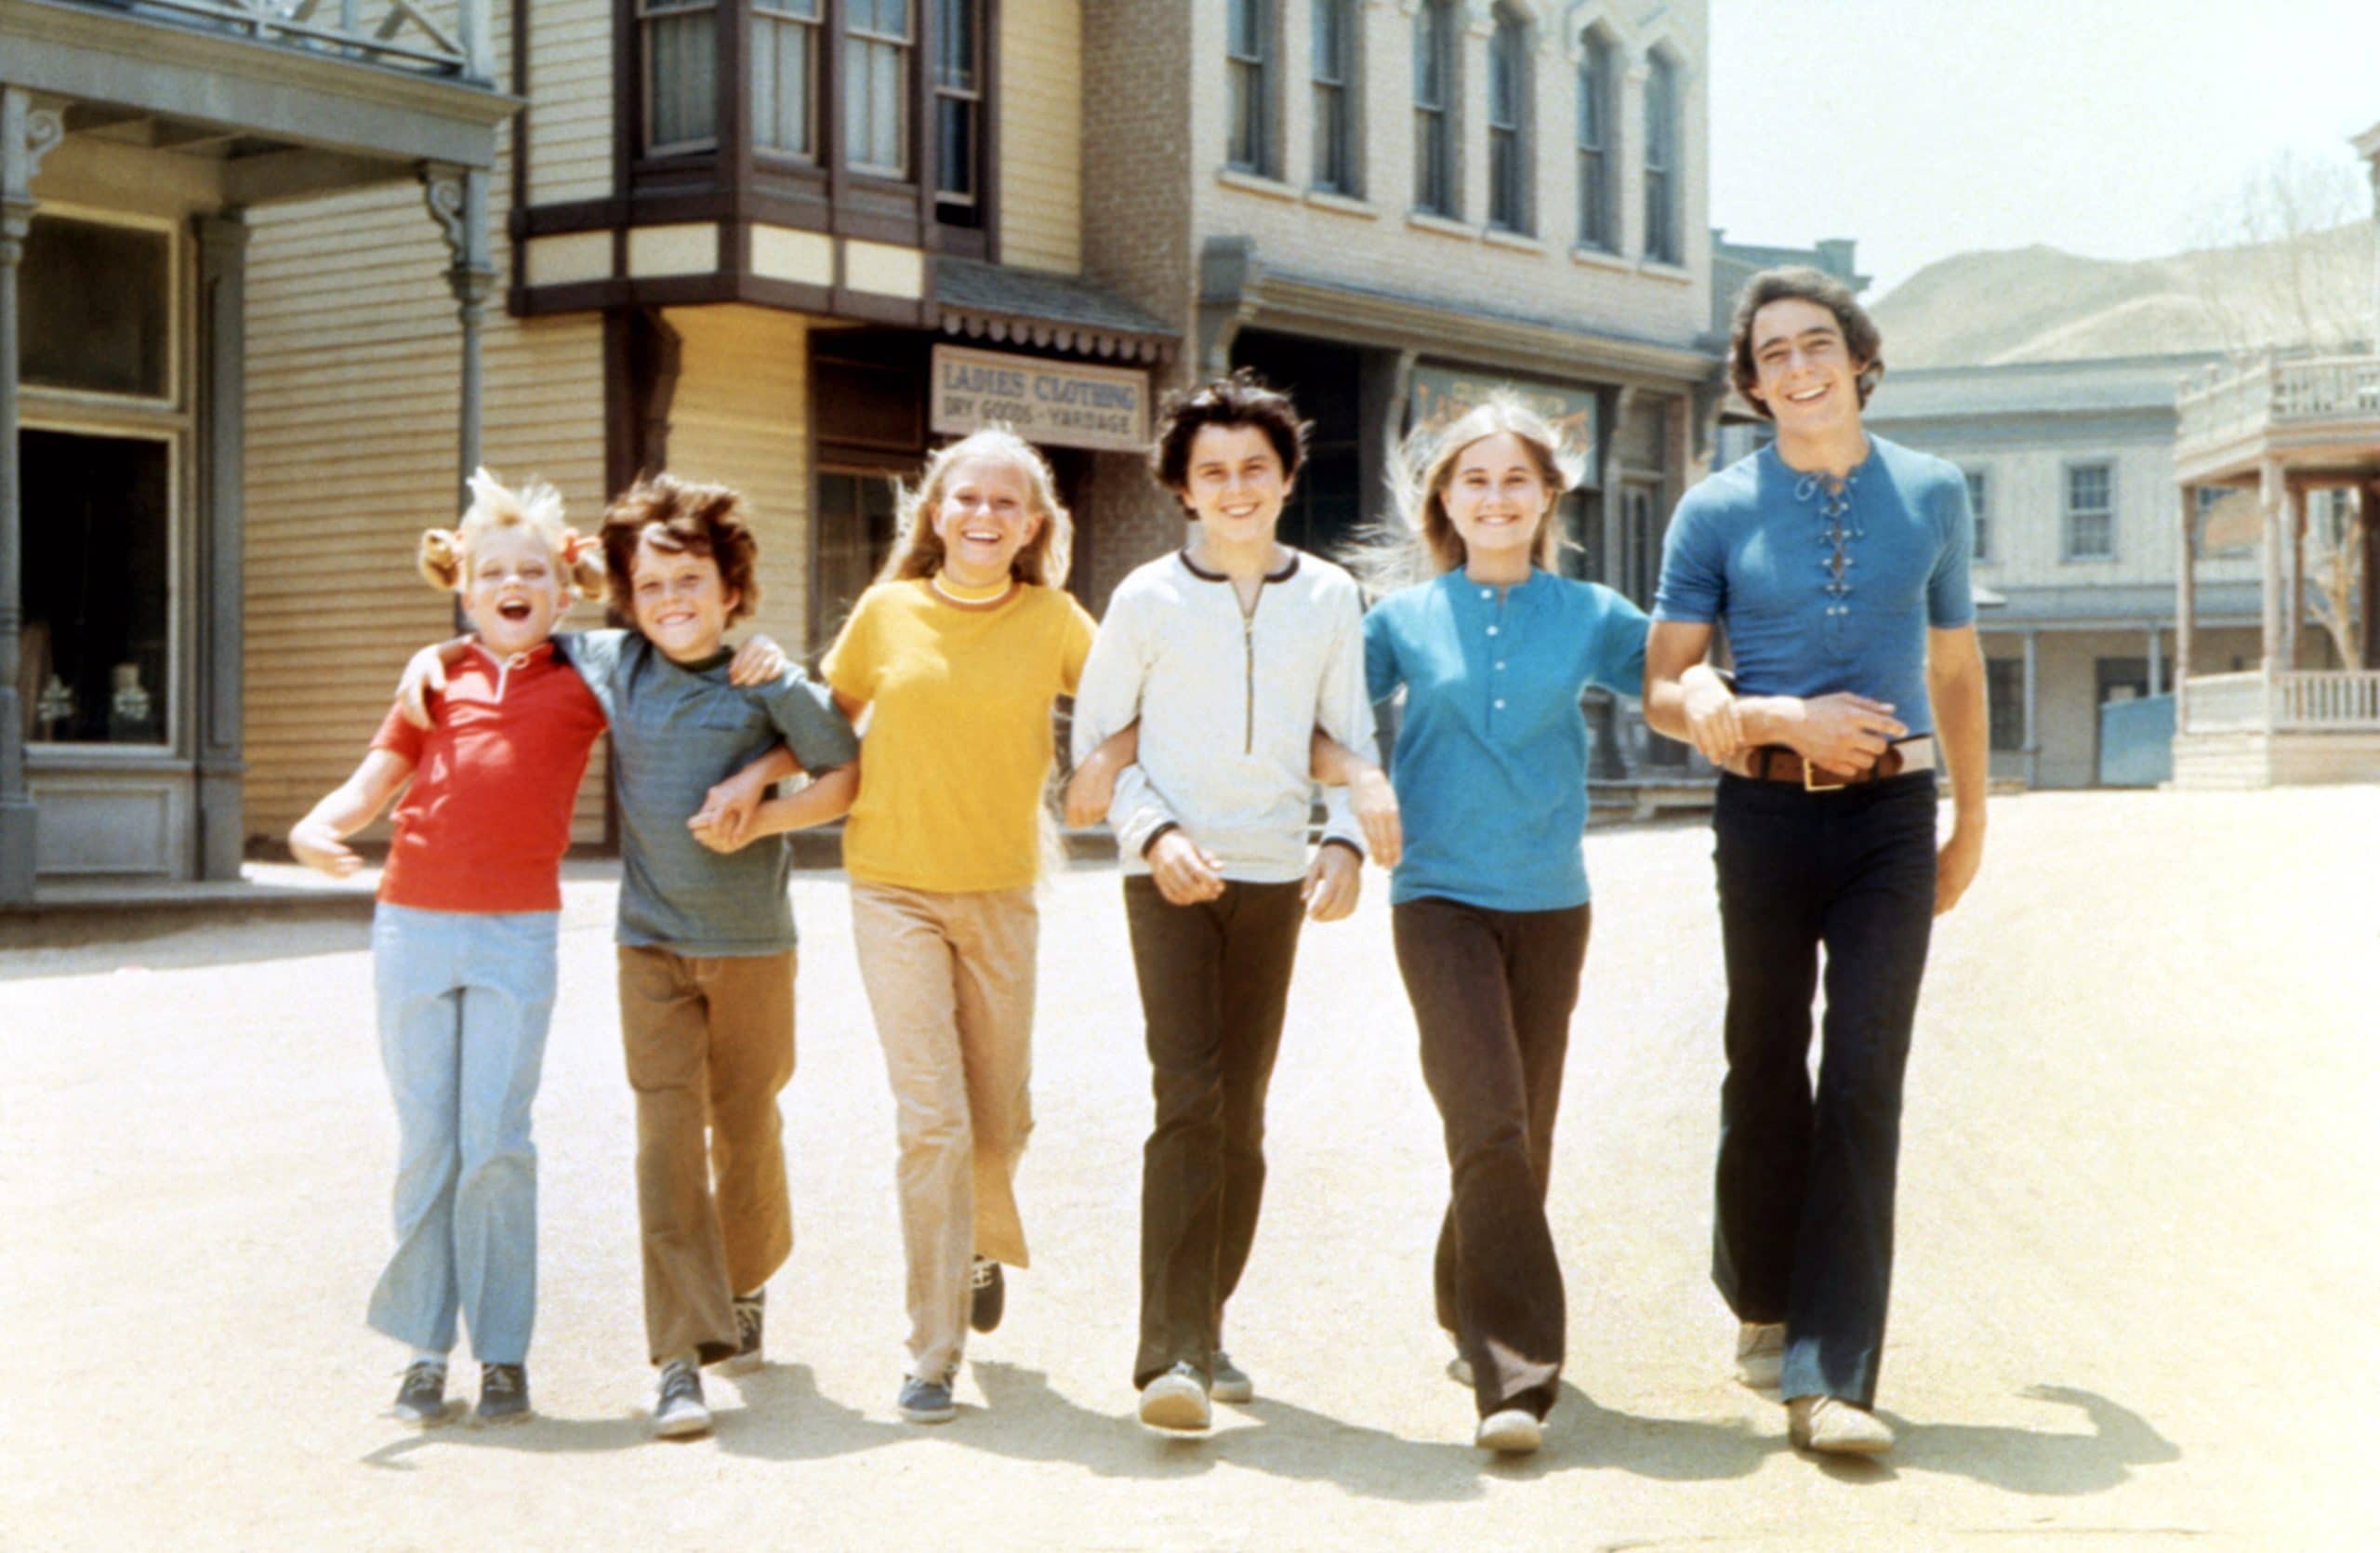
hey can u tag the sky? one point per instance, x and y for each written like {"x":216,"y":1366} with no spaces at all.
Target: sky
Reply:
{"x":2114,"y":129}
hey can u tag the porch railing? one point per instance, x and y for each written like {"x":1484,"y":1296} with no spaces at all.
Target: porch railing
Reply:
{"x":400,"y":33}
{"x":2229,"y":403}
{"x":2311,"y":700}
{"x":2327,"y":699}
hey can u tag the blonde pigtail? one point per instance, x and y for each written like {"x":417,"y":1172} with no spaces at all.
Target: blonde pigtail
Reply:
{"x":440,"y":559}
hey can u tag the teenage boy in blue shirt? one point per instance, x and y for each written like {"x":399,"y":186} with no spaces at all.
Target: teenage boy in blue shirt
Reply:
{"x":1838,"y":563}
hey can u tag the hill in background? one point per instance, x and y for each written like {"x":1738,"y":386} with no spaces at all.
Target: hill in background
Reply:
{"x":2041,"y":304}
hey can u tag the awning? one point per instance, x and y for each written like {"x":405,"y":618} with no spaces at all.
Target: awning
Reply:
{"x":1005,"y":305}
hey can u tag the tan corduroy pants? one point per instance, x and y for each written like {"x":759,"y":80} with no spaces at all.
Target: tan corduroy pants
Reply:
{"x":709,"y":1046}
{"x":950,"y":980}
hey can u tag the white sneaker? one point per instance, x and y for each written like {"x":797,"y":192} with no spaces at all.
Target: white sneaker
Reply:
{"x":678,"y":1409}
{"x":1231,"y":1383}
{"x":1513,"y":1432}
{"x":1176,"y":1400}
{"x":1836,"y":1427}
{"x":1759,"y":1355}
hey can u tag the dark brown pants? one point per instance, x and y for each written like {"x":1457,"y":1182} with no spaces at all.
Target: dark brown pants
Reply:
{"x":1493,"y":993}
{"x":1214,"y":984}
{"x":709,"y":1045}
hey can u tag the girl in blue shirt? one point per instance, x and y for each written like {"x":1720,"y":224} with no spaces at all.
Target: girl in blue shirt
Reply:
{"x":1490,"y":902}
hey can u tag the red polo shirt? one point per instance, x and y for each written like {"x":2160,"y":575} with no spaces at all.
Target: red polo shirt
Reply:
{"x":487,"y":818}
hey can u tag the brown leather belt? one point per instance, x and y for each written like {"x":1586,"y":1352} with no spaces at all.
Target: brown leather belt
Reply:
{"x":1774,"y":762}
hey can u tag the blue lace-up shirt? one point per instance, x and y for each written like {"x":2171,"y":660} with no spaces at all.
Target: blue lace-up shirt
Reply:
{"x":1824,"y":588}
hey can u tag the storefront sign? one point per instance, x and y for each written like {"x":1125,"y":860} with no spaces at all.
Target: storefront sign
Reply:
{"x":1058,"y":403}
{"x":1441,"y":396}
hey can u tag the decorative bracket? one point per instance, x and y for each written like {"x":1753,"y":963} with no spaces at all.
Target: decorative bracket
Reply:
{"x":27,"y":133}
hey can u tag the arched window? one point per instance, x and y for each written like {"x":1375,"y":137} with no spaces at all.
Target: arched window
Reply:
{"x":1596,"y":99}
{"x":1662,"y":223}
{"x":1334,"y":102}
{"x":1508,"y":122}
{"x":1436,"y":86}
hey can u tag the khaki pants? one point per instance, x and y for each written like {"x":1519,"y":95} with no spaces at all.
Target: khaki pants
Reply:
{"x":950,"y":979}
{"x":709,"y":1046}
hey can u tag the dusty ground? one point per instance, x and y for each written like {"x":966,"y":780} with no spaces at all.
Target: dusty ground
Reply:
{"x":2133,"y":1302}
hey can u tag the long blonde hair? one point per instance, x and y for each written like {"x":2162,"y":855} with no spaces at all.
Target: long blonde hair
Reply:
{"x":918,"y":549}
{"x":444,"y":553}
{"x":1424,"y":543}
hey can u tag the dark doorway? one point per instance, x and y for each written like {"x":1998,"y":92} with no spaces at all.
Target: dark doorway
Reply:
{"x":1325,"y":513}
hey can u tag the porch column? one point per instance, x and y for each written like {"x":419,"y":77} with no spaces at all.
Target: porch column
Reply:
{"x":457,"y":200}
{"x":222,"y":313}
{"x":2185,"y":607}
{"x":2156,"y":661}
{"x":2293,"y":611}
{"x":2272,"y":497}
{"x":27,"y":133}
{"x":2032,"y":709}
{"x":2371,"y":498}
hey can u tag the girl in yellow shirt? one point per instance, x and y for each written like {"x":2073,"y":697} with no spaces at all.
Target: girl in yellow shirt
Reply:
{"x":956,"y":656}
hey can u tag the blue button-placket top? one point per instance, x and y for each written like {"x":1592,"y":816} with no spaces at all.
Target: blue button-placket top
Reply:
{"x":1824,"y":586}
{"x":1491,"y":761}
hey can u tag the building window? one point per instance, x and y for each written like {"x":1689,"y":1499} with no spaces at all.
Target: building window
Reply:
{"x":1661,"y":162}
{"x":97,"y":558}
{"x":1508,"y":121}
{"x":1979,"y":504}
{"x":785,"y":76}
{"x":1434,"y":99}
{"x":2004,"y":691}
{"x":2090,"y":513}
{"x":1595,"y":99}
{"x":681,"y":42}
{"x":876,"y":37}
{"x":959,"y":112}
{"x":96,"y":301}
{"x":1334,"y":115}
{"x":1250,"y":85}
{"x":856,"y":521}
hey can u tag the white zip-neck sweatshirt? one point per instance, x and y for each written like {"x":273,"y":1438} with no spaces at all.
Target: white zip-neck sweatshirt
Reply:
{"x":1227,"y":703}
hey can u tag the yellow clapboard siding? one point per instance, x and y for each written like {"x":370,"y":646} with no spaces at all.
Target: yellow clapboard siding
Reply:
{"x":1041,"y":109}
{"x":741,"y":416}
{"x":570,"y":96}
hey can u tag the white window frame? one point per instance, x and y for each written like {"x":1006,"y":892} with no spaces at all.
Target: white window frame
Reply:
{"x":1664,"y":138}
{"x":974,"y":100}
{"x":177,"y":258}
{"x":1511,"y":47}
{"x":1598,"y":83}
{"x":1249,"y":89}
{"x":1344,"y":92}
{"x":860,"y":43}
{"x":1437,"y":25}
{"x":2069,"y":512}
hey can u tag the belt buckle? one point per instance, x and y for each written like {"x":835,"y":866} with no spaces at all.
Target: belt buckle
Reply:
{"x":1809,"y":767}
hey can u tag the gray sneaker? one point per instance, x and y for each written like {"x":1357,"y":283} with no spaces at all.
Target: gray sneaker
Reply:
{"x":750,"y":1313}
{"x":678,"y":1409}
{"x":504,"y":1393}
{"x":1231,"y":1383}
{"x":421,"y":1396}
{"x":927,"y":1401}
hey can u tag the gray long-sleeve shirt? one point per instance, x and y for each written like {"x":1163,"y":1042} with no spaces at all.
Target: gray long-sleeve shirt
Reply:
{"x":1227,"y":703}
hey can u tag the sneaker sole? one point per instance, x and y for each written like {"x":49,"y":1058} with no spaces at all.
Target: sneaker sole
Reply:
{"x":1181,"y":1410}
{"x":929,"y":1415}
{"x":413,"y":1420}
{"x":1760,"y":1378}
{"x":682,"y":1426}
{"x":1840,"y":1447}
{"x":742,"y":1364}
{"x":498,"y":1420}
{"x":1234,"y":1392}
{"x":1511,"y":1434}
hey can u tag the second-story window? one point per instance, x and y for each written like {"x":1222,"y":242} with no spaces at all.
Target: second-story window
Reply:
{"x":1595,"y":99}
{"x":1249,"y":142}
{"x":1979,"y":504}
{"x":1661,"y":162}
{"x":785,"y":76}
{"x":1434,"y":99}
{"x":680,"y":40}
{"x":959,"y":112}
{"x":2090,"y":513}
{"x":1508,"y":120}
{"x":1334,"y":69}
{"x":876,"y":37}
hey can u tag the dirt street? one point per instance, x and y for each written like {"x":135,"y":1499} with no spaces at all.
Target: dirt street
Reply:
{"x":2133,"y":1302}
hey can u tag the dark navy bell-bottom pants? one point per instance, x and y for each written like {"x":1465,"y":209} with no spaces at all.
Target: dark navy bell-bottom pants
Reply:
{"x":1805,"y":1225}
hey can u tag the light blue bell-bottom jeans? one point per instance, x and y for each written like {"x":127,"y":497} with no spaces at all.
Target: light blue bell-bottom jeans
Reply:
{"x":465,"y":999}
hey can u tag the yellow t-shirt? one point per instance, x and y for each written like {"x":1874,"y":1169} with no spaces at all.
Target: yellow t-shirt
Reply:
{"x":959,"y":744}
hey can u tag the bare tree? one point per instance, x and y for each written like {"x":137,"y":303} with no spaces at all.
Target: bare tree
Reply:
{"x":2337,"y":525}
